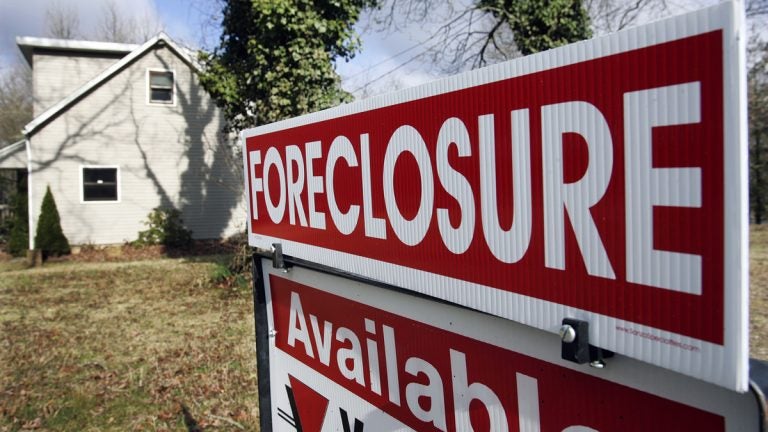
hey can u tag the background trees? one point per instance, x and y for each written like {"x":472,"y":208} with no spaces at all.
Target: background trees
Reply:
{"x":757,"y":91}
{"x":15,"y":102}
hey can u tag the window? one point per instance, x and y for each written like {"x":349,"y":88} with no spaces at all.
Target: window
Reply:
{"x":161,"y":87}
{"x":100,"y":184}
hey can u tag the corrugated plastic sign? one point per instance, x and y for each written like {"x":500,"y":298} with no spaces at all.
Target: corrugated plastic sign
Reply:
{"x":348,"y":356}
{"x":603,"y":181}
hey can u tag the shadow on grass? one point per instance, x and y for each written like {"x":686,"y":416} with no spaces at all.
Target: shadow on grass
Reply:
{"x":189,"y":421}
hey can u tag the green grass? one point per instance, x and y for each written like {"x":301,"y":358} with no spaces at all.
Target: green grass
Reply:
{"x":123,"y":346}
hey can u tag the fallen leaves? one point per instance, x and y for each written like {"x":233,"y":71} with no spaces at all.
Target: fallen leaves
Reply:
{"x":122,"y":346}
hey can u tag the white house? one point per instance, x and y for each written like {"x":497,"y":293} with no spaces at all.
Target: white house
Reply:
{"x":121,"y":129}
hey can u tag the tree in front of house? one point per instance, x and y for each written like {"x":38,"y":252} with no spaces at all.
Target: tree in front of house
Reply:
{"x":539,"y":25}
{"x":49,"y":237}
{"x":275,"y":58}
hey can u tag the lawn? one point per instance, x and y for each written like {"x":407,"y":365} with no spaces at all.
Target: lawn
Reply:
{"x":149,"y":345}
{"x":758,"y":295}
{"x":158,"y":345}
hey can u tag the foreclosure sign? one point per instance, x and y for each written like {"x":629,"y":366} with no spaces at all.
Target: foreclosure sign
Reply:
{"x":345,"y":355}
{"x":604,"y":181}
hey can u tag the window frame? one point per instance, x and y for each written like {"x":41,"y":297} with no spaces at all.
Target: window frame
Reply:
{"x":117,"y":184}
{"x":148,"y":79}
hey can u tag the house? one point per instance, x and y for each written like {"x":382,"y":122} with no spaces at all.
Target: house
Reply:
{"x":121,"y":129}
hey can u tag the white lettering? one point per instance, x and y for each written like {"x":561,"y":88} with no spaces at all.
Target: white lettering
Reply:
{"x":272,"y":159}
{"x":464,"y":393}
{"x":457,"y":240}
{"x":314,"y":185}
{"x":578,"y":197}
{"x":353,"y":354}
{"x":527,"y":403}
{"x":647,"y":187}
{"x":297,"y":326}
{"x":432,"y":390}
{"x":390,"y":358}
{"x":295,"y":184}
{"x":322,"y":341}
{"x":341,"y":148}
{"x":373,"y":357}
{"x":256,"y":185}
{"x":508,"y":246}
{"x":374,"y":227}
{"x":407,"y":139}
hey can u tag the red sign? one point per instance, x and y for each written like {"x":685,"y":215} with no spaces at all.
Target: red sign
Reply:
{"x":429,"y":378}
{"x":610,"y":185}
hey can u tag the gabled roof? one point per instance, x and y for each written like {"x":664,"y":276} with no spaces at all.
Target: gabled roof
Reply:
{"x":10,"y":148}
{"x":9,"y":155}
{"x":161,"y":39}
{"x":28,"y":44}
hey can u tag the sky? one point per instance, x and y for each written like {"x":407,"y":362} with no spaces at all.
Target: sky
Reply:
{"x":185,"y":21}
{"x":193,"y":23}
{"x":388,"y":60}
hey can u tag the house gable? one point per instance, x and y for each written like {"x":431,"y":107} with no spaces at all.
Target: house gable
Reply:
{"x":59,"y":67}
{"x":169,"y":155}
{"x":161,"y":40}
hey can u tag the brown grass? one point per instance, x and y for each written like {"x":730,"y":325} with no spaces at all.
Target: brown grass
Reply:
{"x":123,"y":347}
{"x":758,"y":292}
{"x":158,"y":345}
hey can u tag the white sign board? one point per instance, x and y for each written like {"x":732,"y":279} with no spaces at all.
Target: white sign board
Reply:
{"x":346,"y":356}
{"x":604,"y":181}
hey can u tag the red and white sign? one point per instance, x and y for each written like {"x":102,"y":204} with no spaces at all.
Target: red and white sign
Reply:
{"x":604,"y":181}
{"x":348,"y":356}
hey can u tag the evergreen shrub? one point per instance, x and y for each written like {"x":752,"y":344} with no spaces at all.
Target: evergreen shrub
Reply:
{"x":49,"y":237}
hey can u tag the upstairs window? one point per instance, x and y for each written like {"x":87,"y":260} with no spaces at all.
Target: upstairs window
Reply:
{"x":100,"y":184}
{"x":161,"y":85}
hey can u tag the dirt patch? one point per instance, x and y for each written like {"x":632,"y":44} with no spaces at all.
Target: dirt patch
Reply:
{"x":128,"y":252}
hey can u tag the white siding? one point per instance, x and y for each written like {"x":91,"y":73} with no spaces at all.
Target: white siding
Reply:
{"x":57,"y":74}
{"x":167,"y":155}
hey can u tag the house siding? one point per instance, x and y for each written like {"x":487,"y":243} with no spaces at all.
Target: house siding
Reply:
{"x":170,"y":156}
{"x":58,"y":74}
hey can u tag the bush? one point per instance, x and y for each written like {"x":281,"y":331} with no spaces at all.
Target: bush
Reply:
{"x":49,"y":237}
{"x":18,"y":238}
{"x":165,"y":227}
{"x":240,"y":262}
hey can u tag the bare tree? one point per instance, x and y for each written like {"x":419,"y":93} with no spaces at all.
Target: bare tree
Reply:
{"x":757,"y":8}
{"x":62,"y":21}
{"x":473,"y":33}
{"x":15,"y":102}
{"x":613,"y":15}
{"x":146,"y":27}
{"x":117,"y":26}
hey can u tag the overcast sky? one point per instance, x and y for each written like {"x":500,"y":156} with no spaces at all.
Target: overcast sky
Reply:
{"x":389,"y":59}
{"x":185,"y":20}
